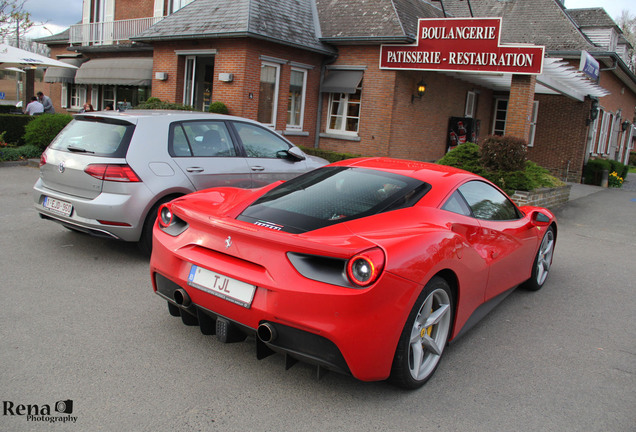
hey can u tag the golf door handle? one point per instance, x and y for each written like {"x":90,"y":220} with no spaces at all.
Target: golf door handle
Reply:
{"x":194,"y":169}
{"x":258,"y":168}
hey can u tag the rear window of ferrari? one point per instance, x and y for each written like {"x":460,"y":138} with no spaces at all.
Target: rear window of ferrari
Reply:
{"x":331,"y":195}
{"x":96,"y":136}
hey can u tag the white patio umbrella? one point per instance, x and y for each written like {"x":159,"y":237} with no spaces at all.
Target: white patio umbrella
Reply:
{"x":15,"y":57}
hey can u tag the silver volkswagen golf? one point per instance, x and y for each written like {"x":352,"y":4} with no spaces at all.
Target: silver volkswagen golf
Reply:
{"x":106,"y":173}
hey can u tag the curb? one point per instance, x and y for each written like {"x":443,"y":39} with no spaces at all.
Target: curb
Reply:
{"x":34,"y":163}
{"x":14,"y":163}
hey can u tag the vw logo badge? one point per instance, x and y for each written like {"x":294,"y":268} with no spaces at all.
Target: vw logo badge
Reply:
{"x":228,"y":242}
{"x":61,"y":167}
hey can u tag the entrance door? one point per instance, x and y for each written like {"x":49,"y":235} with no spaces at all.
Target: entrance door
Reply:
{"x":199,"y":74}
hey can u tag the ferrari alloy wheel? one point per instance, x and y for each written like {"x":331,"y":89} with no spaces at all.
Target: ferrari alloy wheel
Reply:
{"x":542,"y":262}
{"x":424,"y":337}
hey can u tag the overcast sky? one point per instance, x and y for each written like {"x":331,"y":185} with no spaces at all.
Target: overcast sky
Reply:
{"x":60,"y":14}
{"x":57,"y":14}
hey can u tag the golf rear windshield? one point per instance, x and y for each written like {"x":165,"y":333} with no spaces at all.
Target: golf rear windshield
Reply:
{"x":96,"y":136}
{"x":331,"y":195}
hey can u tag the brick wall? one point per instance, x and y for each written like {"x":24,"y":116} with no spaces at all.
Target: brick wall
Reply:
{"x":561,"y":136}
{"x":520,"y":106}
{"x":130,"y":9}
{"x":546,"y":197}
{"x":392,"y":125}
{"x":242,"y":58}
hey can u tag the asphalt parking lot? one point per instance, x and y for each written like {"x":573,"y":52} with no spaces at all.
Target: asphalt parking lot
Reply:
{"x":80,"y":323}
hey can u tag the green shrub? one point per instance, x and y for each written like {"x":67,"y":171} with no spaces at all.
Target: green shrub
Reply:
{"x":19,"y":153}
{"x":530,"y":178}
{"x":466,"y":156}
{"x":618,"y":168}
{"x":541,"y":176}
{"x":615,"y":180}
{"x":503,"y":153}
{"x":331,"y":156}
{"x":43,"y":128}
{"x":632,"y":158}
{"x":219,"y":108}
{"x":593,"y":171}
{"x":14,"y":125}
{"x":154,"y":103}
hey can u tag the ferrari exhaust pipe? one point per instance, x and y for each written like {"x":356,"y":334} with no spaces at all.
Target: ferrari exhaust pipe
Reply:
{"x":181,"y":297}
{"x":266,"y":332}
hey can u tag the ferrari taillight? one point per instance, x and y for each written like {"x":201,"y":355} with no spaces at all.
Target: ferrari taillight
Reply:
{"x":115,"y":173}
{"x":166,"y":218}
{"x":366,"y":267}
{"x":170,"y":223}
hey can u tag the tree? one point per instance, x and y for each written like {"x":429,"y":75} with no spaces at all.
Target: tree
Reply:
{"x":627,"y":23}
{"x":14,"y":20}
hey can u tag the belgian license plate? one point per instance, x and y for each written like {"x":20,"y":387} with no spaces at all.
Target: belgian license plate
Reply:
{"x":57,"y":206}
{"x":229,"y":289}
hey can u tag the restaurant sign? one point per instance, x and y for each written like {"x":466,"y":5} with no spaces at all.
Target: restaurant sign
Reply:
{"x":464,"y":45}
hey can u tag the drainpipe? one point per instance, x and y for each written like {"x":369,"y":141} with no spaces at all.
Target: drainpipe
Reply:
{"x":323,"y":67}
{"x":319,"y":113}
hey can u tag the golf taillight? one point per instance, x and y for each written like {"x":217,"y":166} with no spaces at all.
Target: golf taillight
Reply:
{"x":366,"y":267}
{"x":166,"y":218}
{"x":115,"y":173}
{"x":42,"y":160}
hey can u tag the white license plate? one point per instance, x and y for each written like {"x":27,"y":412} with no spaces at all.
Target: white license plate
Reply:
{"x":57,"y":206}
{"x":229,"y":289}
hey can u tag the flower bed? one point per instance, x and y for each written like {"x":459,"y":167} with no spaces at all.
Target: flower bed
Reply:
{"x":544,"y":197}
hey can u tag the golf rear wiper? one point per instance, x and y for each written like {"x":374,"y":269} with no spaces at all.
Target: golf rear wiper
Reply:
{"x":78,"y":149}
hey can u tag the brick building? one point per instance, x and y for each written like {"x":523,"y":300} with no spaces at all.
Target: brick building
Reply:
{"x":310,"y":69}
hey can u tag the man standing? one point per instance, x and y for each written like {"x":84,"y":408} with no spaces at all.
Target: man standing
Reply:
{"x":34,"y":107}
{"x":46,"y":101}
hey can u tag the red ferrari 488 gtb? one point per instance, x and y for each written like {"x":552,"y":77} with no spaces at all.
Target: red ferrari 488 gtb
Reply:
{"x":366,"y":266}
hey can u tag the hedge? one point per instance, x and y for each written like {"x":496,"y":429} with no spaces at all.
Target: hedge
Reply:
{"x":13,"y":125}
{"x":468,"y":157}
{"x":44,"y":128}
{"x":331,"y":156}
{"x":19,"y":153}
{"x":593,"y":170}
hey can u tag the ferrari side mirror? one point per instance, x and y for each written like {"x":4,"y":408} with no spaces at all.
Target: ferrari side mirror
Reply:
{"x":540,"y":219}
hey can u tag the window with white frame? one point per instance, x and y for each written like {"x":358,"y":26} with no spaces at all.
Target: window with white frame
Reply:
{"x":629,"y":143}
{"x":64,"y":96}
{"x":601,"y":147}
{"x":296,"y":102}
{"x":595,"y":127}
{"x":614,"y":130}
{"x":77,"y":96}
{"x":533,"y":123}
{"x":175,"y":5}
{"x":268,"y":94}
{"x":471,"y":104}
{"x":344,"y":112}
{"x":99,"y":8}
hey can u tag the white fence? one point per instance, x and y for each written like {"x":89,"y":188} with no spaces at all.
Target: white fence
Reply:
{"x":106,"y":33}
